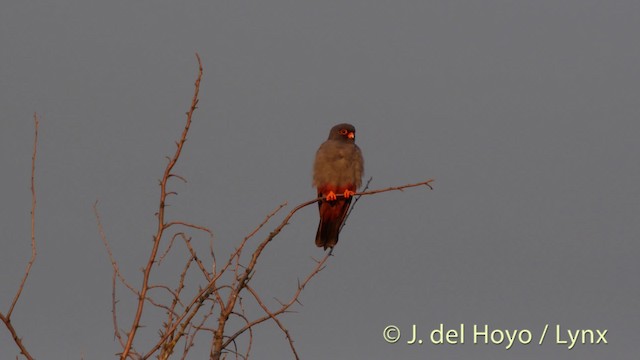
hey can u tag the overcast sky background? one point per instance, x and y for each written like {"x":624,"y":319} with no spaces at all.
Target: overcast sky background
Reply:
{"x":527,"y":114}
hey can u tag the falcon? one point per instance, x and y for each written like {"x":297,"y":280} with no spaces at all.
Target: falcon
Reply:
{"x":337,"y":170}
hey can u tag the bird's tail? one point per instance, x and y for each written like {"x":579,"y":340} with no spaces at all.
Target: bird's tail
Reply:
{"x":332,"y":215}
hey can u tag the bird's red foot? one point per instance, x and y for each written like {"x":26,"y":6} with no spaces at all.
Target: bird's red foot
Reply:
{"x":348,"y":194}
{"x":331,"y":196}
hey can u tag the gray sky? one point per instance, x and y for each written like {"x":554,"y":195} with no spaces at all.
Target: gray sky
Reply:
{"x":525,"y":113}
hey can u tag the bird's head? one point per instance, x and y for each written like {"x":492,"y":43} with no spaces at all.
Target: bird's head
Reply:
{"x":343,"y":132}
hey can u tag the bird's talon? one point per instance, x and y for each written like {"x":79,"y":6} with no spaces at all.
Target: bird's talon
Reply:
{"x":331,"y":196}
{"x":348,"y":194}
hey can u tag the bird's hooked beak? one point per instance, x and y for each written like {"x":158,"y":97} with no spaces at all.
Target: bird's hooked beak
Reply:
{"x":351,"y":135}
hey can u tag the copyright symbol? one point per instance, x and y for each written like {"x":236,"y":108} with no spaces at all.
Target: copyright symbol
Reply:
{"x":391,"y":334}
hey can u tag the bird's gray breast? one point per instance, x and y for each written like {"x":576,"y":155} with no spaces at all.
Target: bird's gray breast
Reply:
{"x":338,"y":163}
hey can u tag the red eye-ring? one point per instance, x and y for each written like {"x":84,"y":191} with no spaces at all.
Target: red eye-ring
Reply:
{"x":343,"y":131}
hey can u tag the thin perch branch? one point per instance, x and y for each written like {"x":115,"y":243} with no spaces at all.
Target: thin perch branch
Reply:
{"x":355,"y":201}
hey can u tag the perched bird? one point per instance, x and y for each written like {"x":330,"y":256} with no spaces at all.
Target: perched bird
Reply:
{"x":337,"y":170}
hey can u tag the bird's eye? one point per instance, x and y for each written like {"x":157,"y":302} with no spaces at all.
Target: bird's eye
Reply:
{"x":343,"y":131}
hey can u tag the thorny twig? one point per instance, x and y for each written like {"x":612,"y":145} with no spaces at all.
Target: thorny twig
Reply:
{"x":6,"y":319}
{"x":162,"y":225}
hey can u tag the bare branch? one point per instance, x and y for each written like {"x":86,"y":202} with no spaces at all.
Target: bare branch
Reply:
{"x":166,"y":252}
{"x":285,"y":307}
{"x":6,"y":319}
{"x":192,"y":309}
{"x":114,"y":263}
{"x":195,"y":258}
{"x":194,"y":226}
{"x":114,"y":301}
{"x":426,"y":183}
{"x":190,"y":341}
{"x":161,"y":215}
{"x":33,"y":218}
{"x":274,"y":318}
{"x":238,"y":251}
